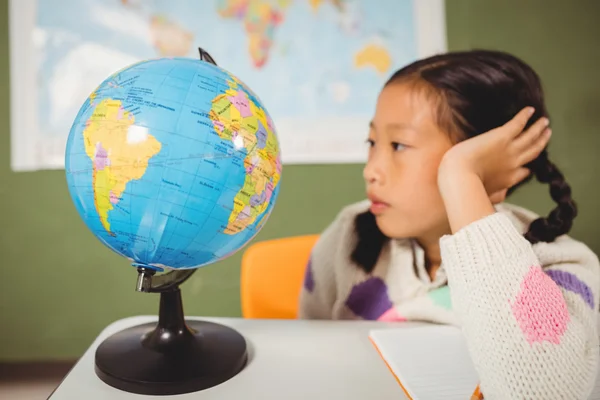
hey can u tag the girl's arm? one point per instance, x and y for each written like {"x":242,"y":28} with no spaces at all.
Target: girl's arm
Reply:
{"x":529,"y":317}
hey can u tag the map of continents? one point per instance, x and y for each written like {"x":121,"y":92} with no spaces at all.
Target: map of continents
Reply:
{"x":261,"y":18}
{"x":237,"y":118}
{"x":120,"y":153}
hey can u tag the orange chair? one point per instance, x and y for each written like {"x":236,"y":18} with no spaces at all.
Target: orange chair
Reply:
{"x":272,"y":274}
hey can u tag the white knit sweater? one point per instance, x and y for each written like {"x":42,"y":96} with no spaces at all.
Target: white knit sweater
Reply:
{"x":528,"y":312}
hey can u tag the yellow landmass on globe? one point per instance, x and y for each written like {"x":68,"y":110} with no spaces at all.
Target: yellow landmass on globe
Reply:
{"x":119,"y":151}
{"x":237,"y":118}
{"x":170,"y":39}
{"x":373,"y":55}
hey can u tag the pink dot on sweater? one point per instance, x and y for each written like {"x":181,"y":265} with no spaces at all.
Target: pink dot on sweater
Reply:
{"x":391,"y":315}
{"x":540,"y":308}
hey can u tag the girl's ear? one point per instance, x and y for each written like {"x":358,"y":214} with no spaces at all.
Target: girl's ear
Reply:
{"x":498,"y":197}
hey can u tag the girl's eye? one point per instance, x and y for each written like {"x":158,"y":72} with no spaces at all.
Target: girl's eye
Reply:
{"x":398,"y":146}
{"x":370,"y":143}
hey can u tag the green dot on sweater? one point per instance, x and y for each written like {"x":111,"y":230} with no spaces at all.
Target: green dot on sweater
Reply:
{"x":441,"y":297}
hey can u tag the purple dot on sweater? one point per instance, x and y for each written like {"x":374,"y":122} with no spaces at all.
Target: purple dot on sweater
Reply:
{"x":572,"y":283}
{"x":309,"y":281}
{"x":369,"y":299}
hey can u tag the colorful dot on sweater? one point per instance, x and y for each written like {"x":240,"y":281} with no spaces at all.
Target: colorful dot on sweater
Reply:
{"x":572,"y":283}
{"x":309,"y":281}
{"x":391,"y":315}
{"x":540,"y":308}
{"x":369,"y":299}
{"x":441,"y":297}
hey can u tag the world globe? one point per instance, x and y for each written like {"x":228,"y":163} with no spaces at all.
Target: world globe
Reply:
{"x":173,"y":163}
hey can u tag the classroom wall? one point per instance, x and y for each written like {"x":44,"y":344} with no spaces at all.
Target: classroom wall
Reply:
{"x":59,"y":287}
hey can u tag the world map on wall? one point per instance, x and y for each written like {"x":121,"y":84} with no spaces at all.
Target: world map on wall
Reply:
{"x":317,"y":65}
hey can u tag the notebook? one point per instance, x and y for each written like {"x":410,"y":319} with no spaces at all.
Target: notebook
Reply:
{"x":432,"y":362}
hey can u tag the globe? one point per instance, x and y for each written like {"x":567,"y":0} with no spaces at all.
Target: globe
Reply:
{"x":173,"y":163}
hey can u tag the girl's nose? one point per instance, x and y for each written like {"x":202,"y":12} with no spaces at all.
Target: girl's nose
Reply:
{"x":373,"y":173}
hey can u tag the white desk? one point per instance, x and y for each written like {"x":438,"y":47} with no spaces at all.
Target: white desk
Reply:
{"x":288,"y":359}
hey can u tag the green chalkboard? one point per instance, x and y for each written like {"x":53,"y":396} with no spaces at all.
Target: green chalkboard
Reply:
{"x":59,"y":287}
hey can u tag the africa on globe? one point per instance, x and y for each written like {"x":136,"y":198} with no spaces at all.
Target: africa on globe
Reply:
{"x":173,"y":163}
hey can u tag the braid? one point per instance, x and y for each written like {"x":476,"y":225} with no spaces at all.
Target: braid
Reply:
{"x":560,"y":220}
{"x":370,"y":241}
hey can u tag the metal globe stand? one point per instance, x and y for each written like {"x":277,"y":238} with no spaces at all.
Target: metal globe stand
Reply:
{"x":173,"y":356}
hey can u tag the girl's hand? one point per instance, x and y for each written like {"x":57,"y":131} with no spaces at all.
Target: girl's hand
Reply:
{"x":477,"y":172}
{"x":498,"y":156}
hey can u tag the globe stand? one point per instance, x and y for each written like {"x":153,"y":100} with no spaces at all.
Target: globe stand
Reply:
{"x":174,"y":356}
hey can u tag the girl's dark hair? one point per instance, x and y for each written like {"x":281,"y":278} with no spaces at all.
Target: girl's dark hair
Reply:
{"x":474,"y":92}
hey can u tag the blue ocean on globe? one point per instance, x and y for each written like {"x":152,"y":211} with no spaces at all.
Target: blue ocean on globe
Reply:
{"x":173,"y":163}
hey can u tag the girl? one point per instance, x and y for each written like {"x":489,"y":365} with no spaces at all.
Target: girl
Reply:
{"x":451,"y":137}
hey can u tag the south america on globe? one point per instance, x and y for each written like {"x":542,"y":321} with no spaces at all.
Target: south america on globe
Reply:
{"x":173,"y":163}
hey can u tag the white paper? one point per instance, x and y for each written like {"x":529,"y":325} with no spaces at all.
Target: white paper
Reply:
{"x":319,"y":92}
{"x":432,"y":362}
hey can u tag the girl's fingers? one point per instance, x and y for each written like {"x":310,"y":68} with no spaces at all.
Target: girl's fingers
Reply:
{"x":531,"y":135}
{"x":516,"y":125}
{"x":535,"y":148}
{"x":520,"y":174}
{"x":498,"y":196}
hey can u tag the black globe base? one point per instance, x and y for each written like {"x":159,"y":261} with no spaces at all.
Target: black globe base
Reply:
{"x":172,"y":357}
